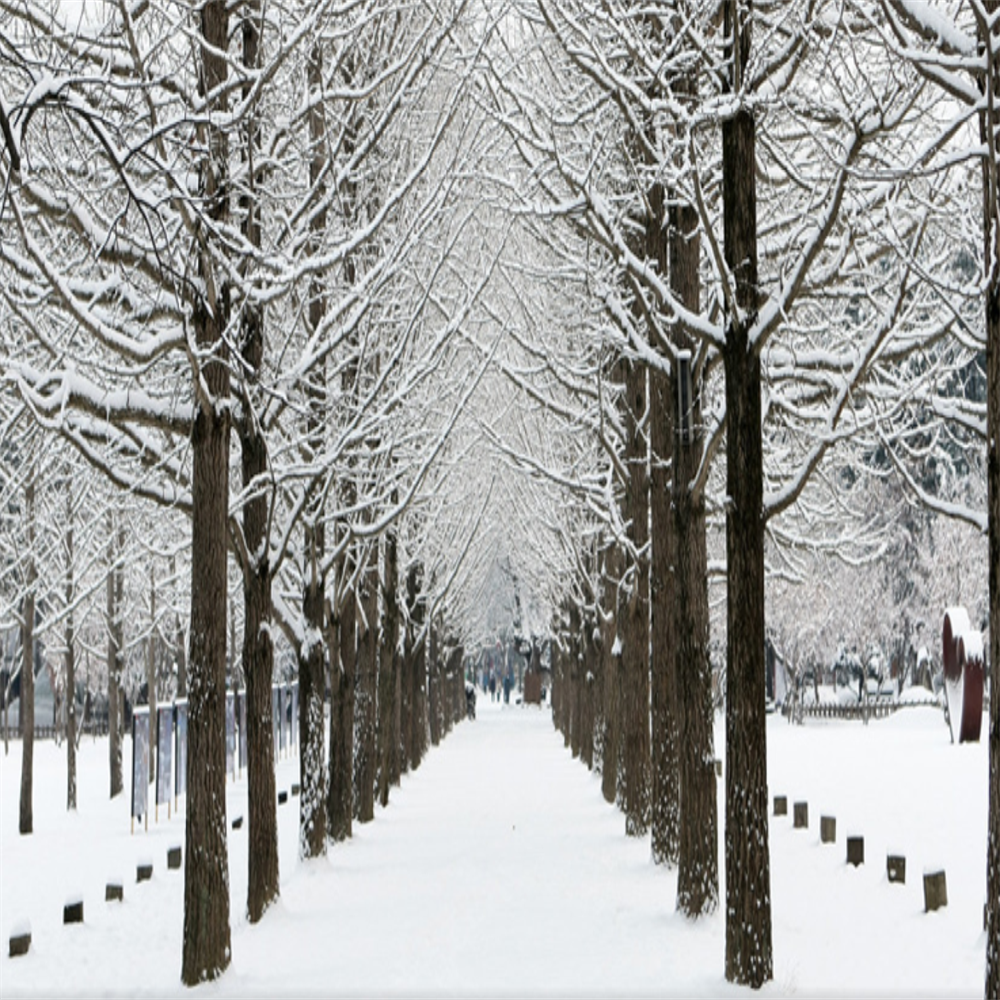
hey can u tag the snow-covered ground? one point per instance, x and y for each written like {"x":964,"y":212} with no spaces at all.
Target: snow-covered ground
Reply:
{"x":498,"y":869}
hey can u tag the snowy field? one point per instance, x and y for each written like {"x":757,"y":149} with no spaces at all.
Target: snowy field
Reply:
{"x":499,"y":870}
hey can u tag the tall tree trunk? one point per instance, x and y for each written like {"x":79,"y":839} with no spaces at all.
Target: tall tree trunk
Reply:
{"x":698,"y":874}
{"x":555,"y":696}
{"x":407,"y":693}
{"x":154,"y":745}
{"x":312,"y":683}
{"x":388,"y":675}
{"x":666,"y":802}
{"x":748,"y":870}
{"x":612,"y":667}
{"x":365,"y":707}
{"x":572,"y":734}
{"x":993,"y":464}
{"x":417,"y":667}
{"x":990,"y":134}
{"x":397,"y":759}
{"x":591,"y":671}
{"x":340,"y":795}
{"x":27,"y":699}
{"x":434,"y":711}
{"x":597,"y":694}
{"x":263,"y":881}
{"x":263,"y":885}
{"x":633,"y":612}
{"x":312,"y":654}
{"x":116,"y":654}
{"x":70,"y":640}
{"x":206,"y":950}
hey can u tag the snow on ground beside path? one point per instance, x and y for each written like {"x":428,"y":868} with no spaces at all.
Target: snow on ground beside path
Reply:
{"x":498,"y":869}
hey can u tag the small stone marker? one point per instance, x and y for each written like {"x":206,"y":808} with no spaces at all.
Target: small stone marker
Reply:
{"x":238,"y":823}
{"x":828,"y":829}
{"x":800,"y":820}
{"x":73,"y":912}
{"x":935,"y":891}
{"x":174,"y":857}
{"x":113,"y":892}
{"x":20,"y":942}
{"x":144,"y":871}
{"x":296,"y":789}
{"x":895,"y":868}
{"x":855,"y":851}
{"x":780,"y":805}
{"x":282,"y":798}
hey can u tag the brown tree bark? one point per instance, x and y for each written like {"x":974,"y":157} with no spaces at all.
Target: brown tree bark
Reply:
{"x":406,"y":687}
{"x":990,"y":134}
{"x":434,"y":684}
{"x":263,"y":884}
{"x":388,"y":675}
{"x":116,"y":654}
{"x":312,"y":684}
{"x":340,"y":794}
{"x":749,"y":958}
{"x":572,"y":734}
{"x":666,"y":803}
{"x":366,"y":707}
{"x":417,"y":667}
{"x":27,"y":699}
{"x":993,"y":476}
{"x":633,"y":612}
{"x":611,"y":670}
{"x":698,"y":873}
{"x":151,"y":677}
{"x":591,"y":671}
{"x":555,"y":696}
{"x":312,"y":653}
{"x":69,"y":639}
{"x":206,"y":949}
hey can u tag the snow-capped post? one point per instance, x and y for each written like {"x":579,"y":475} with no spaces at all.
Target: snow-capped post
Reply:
{"x":800,"y":816}
{"x":895,"y":868}
{"x":828,"y":829}
{"x":935,"y":890}
{"x":20,"y":940}
{"x":856,"y":850}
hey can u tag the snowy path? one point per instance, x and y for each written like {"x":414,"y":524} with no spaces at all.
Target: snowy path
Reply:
{"x":498,"y":869}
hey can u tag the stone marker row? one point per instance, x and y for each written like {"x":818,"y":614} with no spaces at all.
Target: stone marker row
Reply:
{"x":935,"y":887}
{"x":20,"y":941}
